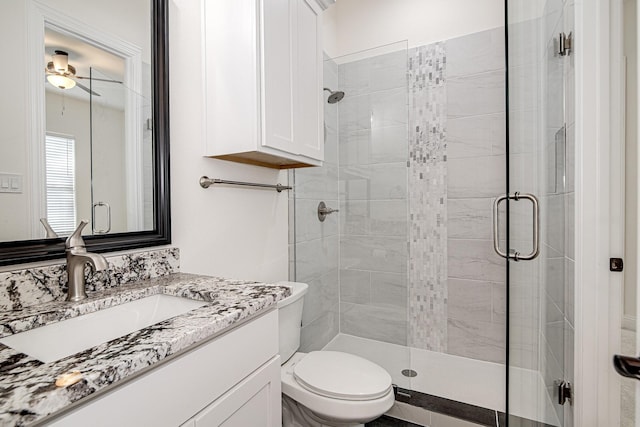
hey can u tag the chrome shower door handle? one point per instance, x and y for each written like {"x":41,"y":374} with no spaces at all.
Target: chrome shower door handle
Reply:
{"x":517,"y":256}
{"x":93,"y":222}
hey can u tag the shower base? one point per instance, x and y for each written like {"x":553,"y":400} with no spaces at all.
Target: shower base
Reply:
{"x":471,"y":381}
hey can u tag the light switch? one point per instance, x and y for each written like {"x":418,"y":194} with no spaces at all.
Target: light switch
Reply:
{"x":10,"y":183}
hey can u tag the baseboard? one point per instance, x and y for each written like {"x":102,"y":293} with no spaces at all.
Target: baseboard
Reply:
{"x":629,"y":322}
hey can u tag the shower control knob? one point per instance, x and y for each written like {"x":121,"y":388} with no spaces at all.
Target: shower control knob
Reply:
{"x":323,"y":211}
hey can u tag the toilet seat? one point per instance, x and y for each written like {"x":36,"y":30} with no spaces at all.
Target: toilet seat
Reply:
{"x":342,"y":376}
{"x":331,"y":408}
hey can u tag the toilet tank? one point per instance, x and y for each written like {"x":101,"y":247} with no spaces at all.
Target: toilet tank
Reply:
{"x":290,"y":319}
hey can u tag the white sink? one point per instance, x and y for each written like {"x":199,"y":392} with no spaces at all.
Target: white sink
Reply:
{"x":55,"y":341}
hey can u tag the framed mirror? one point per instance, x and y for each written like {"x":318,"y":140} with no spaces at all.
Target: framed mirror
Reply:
{"x":85,"y":126}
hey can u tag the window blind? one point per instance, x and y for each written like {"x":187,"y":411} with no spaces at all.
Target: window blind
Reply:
{"x":60,"y":187}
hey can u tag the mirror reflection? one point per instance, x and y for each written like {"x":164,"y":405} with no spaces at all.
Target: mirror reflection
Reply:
{"x":78,"y":131}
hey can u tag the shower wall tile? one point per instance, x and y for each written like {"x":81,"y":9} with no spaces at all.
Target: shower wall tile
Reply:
{"x":569,"y":290}
{"x":476,"y":177}
{"x":382,"y":181}
{"x":474,"y":260}
{"x":525,"y":43}
{"x":477,"y":340}
{"x":552,"y":207}
{"x":321,"y":296}
{"x":374,"y":217}
{"x":389,"y":144}
{"x":476,"y":171}
{"x":355,"y":286}
{"x":388,"y":217}
{"x":389,"y":289}
{"x":523,"y":346}
{"x":373,"y":196}
{"x":388,"y":324}
{"x":482,"y":52}
{"x":373,"y":253}
{"x":476,"y":136}
{"x":355,"y":148}
{"x":317,"y":183}
{"x":373,"y":110}
{"x":427,"y":198}
{"x":315,"y":258}
{"x":469,"y":218}
{"x":523,"y":132}
{"x":570,"y":225}
{"x":376,"y":73}
{"x":523,"y":89}
{"x":354,"y":217}
{"x":311,"y":228}
{"x":476,"y":94}
{"x":469,"y":300}
{"x":377,"y":145}
{"x":322,"y":330}
{"x":554,"y":281}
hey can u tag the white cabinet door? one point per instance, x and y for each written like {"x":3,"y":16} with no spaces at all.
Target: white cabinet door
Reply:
{"x":308,"y":114}
{"x":278,"y":60}
{"x":292,"y":77}
{"x":254,"y":402}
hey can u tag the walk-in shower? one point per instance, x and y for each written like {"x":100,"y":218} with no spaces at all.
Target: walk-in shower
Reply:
{"x":405,"y":273}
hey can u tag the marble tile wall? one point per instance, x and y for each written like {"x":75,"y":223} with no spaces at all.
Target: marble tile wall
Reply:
{"x":36,"y":285}
{"x":475,"y":159}
{"x":373,"y":196}
{"x":314,"y":245}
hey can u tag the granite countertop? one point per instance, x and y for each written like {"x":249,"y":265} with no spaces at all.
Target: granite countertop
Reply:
{"x":27,"y":386}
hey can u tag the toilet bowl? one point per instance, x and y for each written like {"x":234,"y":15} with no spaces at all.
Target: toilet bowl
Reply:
{"x":326,"y":388}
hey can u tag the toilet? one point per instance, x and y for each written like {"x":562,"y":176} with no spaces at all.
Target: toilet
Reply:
{"x":326,"y":388}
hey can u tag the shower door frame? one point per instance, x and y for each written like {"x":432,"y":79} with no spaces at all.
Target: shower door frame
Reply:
{"x":598,"y":226}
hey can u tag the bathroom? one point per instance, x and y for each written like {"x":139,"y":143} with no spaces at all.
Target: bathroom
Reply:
{"x":437,"y":109}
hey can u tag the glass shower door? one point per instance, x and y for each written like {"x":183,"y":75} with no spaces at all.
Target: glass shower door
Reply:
{"x":539,"y":206}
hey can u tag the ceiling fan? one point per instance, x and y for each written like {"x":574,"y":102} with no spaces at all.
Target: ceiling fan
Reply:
{"x":63,"y":75}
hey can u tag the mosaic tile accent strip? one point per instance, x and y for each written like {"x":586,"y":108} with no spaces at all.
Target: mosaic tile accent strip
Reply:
{"x":427,"y":198}
{"x":24,"y":288}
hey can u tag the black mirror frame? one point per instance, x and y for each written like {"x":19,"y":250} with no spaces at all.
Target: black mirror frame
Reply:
{"x":24,"y":251}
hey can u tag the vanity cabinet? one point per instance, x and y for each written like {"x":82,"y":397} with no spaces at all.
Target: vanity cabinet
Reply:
{"x":232,"y":380}
{"x":263,"y":92}
{"x":247,"y":404}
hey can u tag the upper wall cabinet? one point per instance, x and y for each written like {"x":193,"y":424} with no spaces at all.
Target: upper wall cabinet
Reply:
{"x":263,"y":82}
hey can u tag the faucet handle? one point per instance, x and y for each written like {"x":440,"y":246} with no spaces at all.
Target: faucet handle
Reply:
{"x":76,"y":240}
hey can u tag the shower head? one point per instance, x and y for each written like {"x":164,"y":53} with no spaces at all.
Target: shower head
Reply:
{"x":334,"y":96}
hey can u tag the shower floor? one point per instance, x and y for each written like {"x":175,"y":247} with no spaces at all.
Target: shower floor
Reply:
{"x":471,"y":381}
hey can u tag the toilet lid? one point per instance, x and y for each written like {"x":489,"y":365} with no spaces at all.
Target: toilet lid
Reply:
{"x":341,"y":376}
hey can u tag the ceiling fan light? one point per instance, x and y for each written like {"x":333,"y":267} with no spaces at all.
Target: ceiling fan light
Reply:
{"x":61,"y":82}
{"x":60,"y":61}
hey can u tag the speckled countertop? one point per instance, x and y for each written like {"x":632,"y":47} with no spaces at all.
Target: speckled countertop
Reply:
{"x":27,"y":386}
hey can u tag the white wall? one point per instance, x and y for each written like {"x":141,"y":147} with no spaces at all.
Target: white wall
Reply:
{"x":14,"y":208}
{"x":631,"y":156}
{"x":354,"y":25}
{"x":229,"y":231}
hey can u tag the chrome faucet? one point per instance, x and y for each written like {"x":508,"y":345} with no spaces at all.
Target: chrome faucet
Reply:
{"x":77,"y":258}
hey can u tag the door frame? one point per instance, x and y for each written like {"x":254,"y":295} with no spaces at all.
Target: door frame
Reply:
{"x":599,"y":213}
